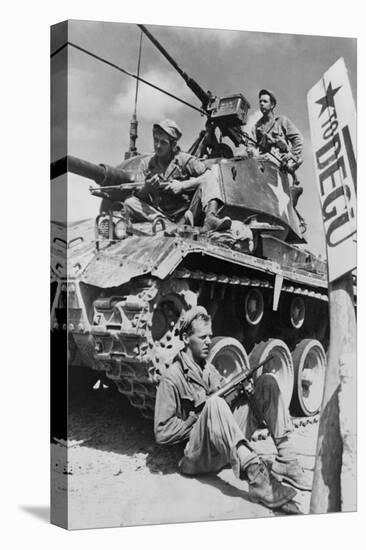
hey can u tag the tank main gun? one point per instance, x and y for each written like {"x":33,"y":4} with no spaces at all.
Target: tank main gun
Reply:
{"x":102,"y":174}
{"x":114,"y":183}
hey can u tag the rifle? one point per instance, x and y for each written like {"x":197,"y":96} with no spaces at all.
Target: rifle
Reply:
{"x":128,"y":187}
{"x":242,"y":384}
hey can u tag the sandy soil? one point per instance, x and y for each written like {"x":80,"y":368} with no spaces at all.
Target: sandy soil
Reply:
{"x":116,"y":475}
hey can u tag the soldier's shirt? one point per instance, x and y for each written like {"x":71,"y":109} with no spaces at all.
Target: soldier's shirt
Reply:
{"x":183,"y":388}
{"x":182,"y":167}
{"x":279,"y":128}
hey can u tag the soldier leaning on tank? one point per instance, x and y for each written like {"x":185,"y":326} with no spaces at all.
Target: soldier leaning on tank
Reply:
{"x":170,"y":175}
{"x":187,"y":409}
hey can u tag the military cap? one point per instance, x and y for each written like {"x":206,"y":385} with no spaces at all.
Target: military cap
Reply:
{"x":270,"y":93}
{"x":189,"y":316}
{"x":169,"y":127}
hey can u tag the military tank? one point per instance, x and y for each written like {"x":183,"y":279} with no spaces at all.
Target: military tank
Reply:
{"x":120,"y":290}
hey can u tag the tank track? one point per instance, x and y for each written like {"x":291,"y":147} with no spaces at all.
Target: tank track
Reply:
{"x":298,"y":422}
{"x":246,"y":281}
{"x":131,"y":354}
{"x":133,"y":359}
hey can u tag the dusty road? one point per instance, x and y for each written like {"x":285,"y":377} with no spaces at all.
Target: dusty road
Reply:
{"x":117,"y":476}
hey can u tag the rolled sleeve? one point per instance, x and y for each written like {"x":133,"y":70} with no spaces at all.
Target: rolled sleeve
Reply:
{"x":195,"y":167}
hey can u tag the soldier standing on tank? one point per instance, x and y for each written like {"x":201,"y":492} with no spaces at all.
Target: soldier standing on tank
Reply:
{"x":171,"y":177}
{"x":188,"y":410}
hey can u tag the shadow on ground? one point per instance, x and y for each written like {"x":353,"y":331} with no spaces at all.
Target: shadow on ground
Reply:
{"x":104,"y":420}
{"x":40,"y":512}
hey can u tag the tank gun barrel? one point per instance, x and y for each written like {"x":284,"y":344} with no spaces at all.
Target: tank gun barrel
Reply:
{"x":102,"y":174}
{"x":203,"y":96}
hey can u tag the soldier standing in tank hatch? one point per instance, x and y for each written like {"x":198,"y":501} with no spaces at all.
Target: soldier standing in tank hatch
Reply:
{"x":171,"y":177}
{"x":276,"y":134}
{"x":188,"y":410}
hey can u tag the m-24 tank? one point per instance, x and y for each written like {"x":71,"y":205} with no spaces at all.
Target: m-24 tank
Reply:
{"x":122,"y":287}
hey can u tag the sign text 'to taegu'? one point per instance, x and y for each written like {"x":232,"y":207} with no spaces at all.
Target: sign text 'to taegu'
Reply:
{"x":332,"y":117}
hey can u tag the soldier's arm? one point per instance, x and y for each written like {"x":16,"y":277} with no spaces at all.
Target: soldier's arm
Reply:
{"x":141,"y":171}
{"x":197,"y":173}
{"x":251,"y":143}
{"x":152,"y":182}
{"x":217,"y":381}
{"x":168,"y":427}
{"x":294,"y":136}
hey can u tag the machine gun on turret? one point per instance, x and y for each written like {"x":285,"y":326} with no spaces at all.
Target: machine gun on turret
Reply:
{"x":227,"y":113}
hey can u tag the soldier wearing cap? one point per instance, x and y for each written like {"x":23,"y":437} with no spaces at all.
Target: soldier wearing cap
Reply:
{"x":171,"y":178}
{"x":187,"y":410}
{"x":276,"y":134}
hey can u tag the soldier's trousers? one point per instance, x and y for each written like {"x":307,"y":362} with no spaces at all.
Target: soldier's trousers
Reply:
{"x":218,"y":432}
{"x":209,"y":189}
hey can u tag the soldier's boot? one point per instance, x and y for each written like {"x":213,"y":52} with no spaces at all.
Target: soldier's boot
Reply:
{"x":265,"y":489}
{"x":293,"y":473}
{"x":212,"y":221}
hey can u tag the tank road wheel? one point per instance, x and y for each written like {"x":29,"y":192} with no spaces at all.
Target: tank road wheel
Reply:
{"x":309,"y":367}
{"x":228,"y":356}
{"x":280,"y":365}
{"x":254,"y":307}
{"x":297,"y":312}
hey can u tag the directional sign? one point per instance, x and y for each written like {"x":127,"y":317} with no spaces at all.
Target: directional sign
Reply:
{"x":332,"y":116}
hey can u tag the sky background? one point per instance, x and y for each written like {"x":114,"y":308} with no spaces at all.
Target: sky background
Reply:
{"x":101,"y":99}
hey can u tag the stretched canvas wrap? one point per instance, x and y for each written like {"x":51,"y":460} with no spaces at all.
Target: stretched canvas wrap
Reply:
{"x":200,"y":167}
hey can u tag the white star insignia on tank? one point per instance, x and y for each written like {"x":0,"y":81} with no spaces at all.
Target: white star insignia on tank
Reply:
{"x":282,"y":197}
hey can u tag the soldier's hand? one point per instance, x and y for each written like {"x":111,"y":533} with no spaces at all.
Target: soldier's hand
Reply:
{"x":267,"y":156}
{"x":286,"y":157}
{"x":290,"y":162}
{"x":152,"y":182}
{"x":193,"y":417}
{"x":175,"y":186}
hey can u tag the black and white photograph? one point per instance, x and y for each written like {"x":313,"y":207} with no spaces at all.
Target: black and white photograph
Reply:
{"x":203,"y":274}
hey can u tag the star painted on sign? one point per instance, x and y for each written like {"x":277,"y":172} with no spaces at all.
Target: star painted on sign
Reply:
{"x":282,"y":196}
{"x":328,"y":99}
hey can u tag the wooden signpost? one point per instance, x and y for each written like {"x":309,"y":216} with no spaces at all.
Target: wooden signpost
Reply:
{"x":332,"y":116}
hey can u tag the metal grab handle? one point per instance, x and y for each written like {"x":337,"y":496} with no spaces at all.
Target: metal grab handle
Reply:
{"x":160,"y":220}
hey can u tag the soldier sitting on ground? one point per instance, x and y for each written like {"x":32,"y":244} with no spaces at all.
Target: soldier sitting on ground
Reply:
{"x":187,"y":409}
{"x":171,"y":178}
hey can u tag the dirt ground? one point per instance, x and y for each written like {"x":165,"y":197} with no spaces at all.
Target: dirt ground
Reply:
{"x":116,"y":475}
